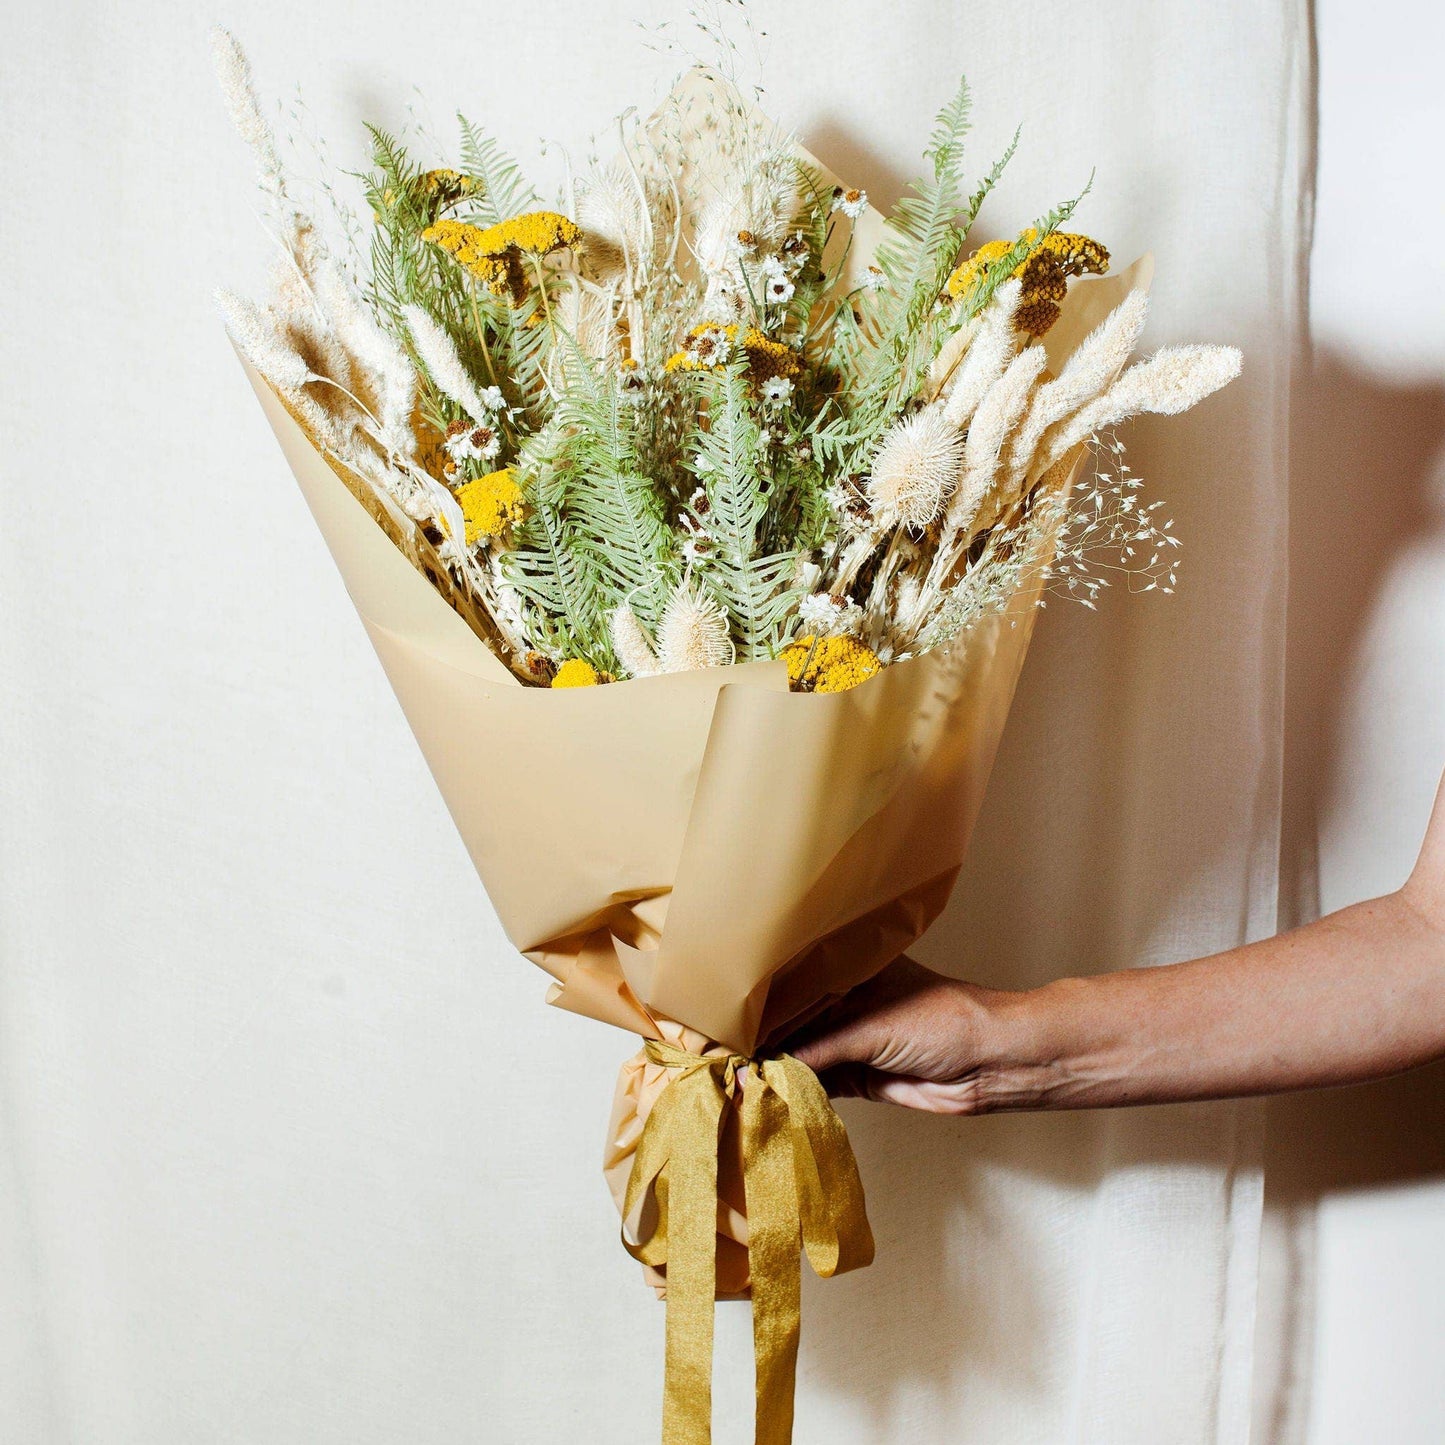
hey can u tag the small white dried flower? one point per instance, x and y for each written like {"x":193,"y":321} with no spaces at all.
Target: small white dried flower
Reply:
{"x":630,"y":643}
{"x":693,"y":633}
{"x":473,"y":444}
{"x":777,"y":284}
{"x":852,"y":203}
{"x":777,"y":390}
{"x":828,"y":616}
{"x":873,"y":278}
{"x":915,"y":469}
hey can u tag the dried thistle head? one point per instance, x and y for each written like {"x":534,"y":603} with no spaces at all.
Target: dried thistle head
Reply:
{"x":915,"y":470}
{"x":693,"y":633}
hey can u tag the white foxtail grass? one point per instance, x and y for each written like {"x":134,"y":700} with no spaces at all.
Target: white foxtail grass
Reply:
{"x":444,"y":365}
{"x":630,"y":644}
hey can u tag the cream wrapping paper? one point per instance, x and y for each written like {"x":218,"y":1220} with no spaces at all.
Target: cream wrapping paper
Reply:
{"x":702,"y":857}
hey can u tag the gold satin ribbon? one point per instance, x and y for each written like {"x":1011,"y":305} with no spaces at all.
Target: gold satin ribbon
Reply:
{"x":803,"y":1195}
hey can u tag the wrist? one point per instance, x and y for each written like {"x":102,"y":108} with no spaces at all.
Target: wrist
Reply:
{"x":1013,"y":1040}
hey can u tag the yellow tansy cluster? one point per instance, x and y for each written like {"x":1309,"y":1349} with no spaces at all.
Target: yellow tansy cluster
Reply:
{"x":490,"y":504}
{"x":1044,"y":273}
{"x":766,"y":358}
{"x":575,"y":672}
{"x":493,"y":254}
{"x":445,"y":188}
{"x":836,"y":664}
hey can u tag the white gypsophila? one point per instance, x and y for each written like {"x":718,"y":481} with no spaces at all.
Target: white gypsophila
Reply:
{"x":1088,"y":372}
{"x":444,"y":364}
{"x":829,"y":616}
{"x":993,"y":347}
{"x":852,"y":203}
{"x":998,"y":413}
{"x":1171,"y":381}
{"x":630,"y":643}
{"x":384,"y":365}
{"x":915,"y":469}
{"x":233,"y":70}
{"x":693,"y":633}
{"x":777,"y":390}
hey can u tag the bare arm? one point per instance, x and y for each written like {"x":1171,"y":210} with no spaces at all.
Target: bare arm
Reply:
{"x":1357,"y":995}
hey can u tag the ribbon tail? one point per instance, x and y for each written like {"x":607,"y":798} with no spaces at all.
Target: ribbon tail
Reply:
{"x":774,"y":1256}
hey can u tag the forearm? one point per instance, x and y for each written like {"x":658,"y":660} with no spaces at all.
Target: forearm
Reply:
{"x":1357,"y":995}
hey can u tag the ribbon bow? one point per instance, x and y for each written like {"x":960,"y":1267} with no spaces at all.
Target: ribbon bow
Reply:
{"x":803,"y":1194}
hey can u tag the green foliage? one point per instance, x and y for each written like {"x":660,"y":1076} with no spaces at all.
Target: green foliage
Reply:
{"x":750,"y":582}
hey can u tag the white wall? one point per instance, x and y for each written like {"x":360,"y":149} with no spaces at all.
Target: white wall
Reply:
{"x":1369,"y":691}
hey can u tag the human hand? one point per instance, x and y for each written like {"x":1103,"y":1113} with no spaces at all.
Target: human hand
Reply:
{"x":907,"y":1036}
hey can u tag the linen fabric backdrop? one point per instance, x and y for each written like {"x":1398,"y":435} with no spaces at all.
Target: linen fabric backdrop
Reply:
{"x":290,"y":1149}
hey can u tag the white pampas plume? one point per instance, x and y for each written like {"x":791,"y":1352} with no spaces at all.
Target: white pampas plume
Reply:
{"x":693,"y":633}
{"x":915,"y":469}
{"x":630,"y":643}
{"x":1174,"y":379}
{"x":255,"y":332}
{"x":613,"y":219}
{"x":1088,"y":373}
{"x":950,"y":354}
{"x":992,"y":349}
{"x":384,"y":365}
{"x":998,"y":414}
{"x":439,"y":355}
{"x":233,"y":70}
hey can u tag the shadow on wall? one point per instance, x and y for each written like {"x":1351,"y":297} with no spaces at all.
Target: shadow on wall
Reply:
{"x":1365,"y":456}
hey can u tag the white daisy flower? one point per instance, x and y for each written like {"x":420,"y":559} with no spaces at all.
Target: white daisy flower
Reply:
{"x":491,"y":397}
{"x":777,"y":284}
{"x":851,"y":203}
{"x":472,"y":444}
{"x":828,"y":616}
{"x":777,"y":390}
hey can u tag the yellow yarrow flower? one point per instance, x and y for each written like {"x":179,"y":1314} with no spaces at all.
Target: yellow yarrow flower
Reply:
{"x":836,"y":664}
{"x":575,"y":672}
{"x":766,"y":358}
{"x":1044,"y":273}
{"x":446,"y":187}
{"x":490,"y":504}
{"x":501,"y":273}
{"x":536,"y":233}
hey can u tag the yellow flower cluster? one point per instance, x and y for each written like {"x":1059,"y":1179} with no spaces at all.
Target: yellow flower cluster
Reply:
{"x":494,"y":254}
{"x":1044,"y":273}
{"x":766,"y":358}
{"x":836,"y":664}
{"x":445,"y":188}
{"x":576,"y":672}
{"x":490,"y":504}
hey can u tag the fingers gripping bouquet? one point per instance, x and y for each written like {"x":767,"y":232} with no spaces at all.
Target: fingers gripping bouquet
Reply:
{"x":700,"y":526}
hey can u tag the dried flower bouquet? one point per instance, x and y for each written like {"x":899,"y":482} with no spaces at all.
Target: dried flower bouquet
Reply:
{"x":714,"y":433}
